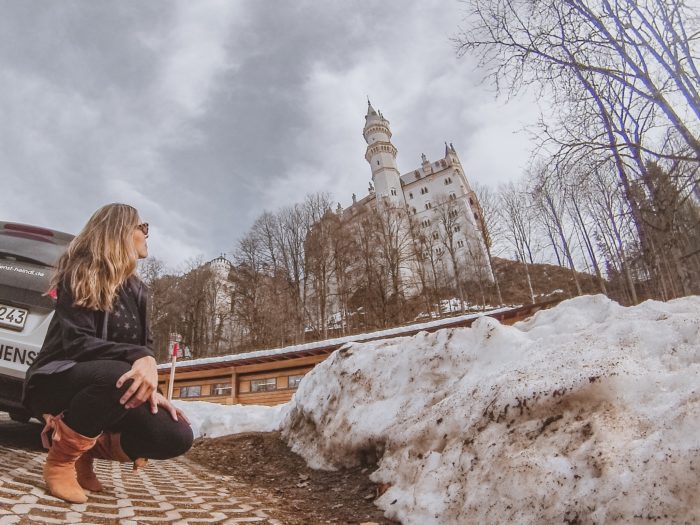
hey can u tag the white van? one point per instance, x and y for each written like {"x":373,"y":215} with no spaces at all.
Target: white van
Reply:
{"x":27,"y":256}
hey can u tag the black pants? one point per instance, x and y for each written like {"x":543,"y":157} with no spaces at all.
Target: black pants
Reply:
{"x":88,"y":395}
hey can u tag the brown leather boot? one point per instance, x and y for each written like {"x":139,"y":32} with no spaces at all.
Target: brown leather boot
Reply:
{"x":86,"y":475}
{"x":59,"y":470}
{"x":108,"y":446}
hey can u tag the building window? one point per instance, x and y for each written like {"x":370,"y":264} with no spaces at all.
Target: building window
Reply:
{"x":448,"y":180}
{"x":424,"y":190}
{"x":263,"y":385}
{"x":428,"y":205}
{"x":438,"y":251}
{"x":294,"y":381}
{"x":410,"y":195}
{"x":460,"y":243}
{"x":457,"y":228}
{"x":221,"y":389}
{"x":454,"y":213}
{"x":453,"y":196}
{"x":426,"y":222}
{"x":393,"y":191}
{"x":191,"y":391}
{"x":414,"y":211}
{"x":436,"y":236}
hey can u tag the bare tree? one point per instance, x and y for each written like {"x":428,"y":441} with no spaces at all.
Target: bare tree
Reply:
{"x":549,"y":195}
{"x":319,"y":256}
{"x":425,"y":263}
{"x":448,"y":227}
{"x":491,"y":227}
{"x":394,"y":243}
{"x":515,"y":211}
{"x":646,"y":47}
{"x":624,"y":78}
{"x":343,"y":256}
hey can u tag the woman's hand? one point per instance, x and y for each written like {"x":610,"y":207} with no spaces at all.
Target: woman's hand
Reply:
{"x":145,"y":380}
{"x":157,"y":399}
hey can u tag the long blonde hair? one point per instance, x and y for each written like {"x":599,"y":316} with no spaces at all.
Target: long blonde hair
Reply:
{"x":100,"y":258}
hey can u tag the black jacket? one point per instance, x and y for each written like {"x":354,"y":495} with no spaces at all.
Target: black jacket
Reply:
{"x":78,"y":334}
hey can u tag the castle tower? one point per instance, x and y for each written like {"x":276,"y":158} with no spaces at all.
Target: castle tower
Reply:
{"x":381,"y":155}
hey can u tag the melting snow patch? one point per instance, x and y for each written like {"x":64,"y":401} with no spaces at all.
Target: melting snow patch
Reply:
{"x":587,"y":413}
{"x":214,"y":420}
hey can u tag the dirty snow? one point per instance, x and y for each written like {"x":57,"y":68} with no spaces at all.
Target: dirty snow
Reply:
{"x":587,"y":413}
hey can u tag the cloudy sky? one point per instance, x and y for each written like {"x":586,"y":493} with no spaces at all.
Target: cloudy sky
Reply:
{"x":204,"y":114}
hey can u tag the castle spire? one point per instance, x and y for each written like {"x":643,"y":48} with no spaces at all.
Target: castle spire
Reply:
{"x":370,"y":109}
{"x":381,"y":155}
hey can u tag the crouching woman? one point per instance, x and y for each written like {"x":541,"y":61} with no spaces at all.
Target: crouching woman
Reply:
{"x":95,"y":379}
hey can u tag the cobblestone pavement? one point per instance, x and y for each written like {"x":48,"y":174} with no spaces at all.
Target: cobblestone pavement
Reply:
{"x":174,"y":491}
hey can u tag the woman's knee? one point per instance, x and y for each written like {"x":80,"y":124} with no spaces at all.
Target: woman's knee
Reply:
{"x":181,"y":439}
{"x":156,"y":436}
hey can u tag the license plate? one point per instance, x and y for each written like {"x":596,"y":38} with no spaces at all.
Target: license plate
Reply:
{"x":11,"y":317}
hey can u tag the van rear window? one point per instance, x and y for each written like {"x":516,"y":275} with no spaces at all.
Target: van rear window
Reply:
{"x":29,"y":248}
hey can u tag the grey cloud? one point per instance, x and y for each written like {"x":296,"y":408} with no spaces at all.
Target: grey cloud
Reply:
{"x":115,"y":100}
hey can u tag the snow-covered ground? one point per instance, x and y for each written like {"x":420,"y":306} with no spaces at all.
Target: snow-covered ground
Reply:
{"x":214,"y":420}
{"x":586,"y":413}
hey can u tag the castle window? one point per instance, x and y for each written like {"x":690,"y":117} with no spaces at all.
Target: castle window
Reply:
{"x":436,"y":236}
{"x":426,"y":255}
{"x":424,"y":190}
{"x":454,"y":213}
{"x":426,"y":222}
{"x":453,"y":196}
{"x":438,"y":250}
{"x":457,"y":228}
{"x":393,"y":191}
{"x":377,"y":163}
{"x":428,"y":205}
{"x":460,"y":244}
{"x":410,"y":195}
{"x":415,"y":211}
{"x":448,"y":180}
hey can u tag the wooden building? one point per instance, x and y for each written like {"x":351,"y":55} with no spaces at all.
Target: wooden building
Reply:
{"x":270,"y":377}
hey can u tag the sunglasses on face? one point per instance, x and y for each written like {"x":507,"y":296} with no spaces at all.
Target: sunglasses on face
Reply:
{"x":143,"y":227}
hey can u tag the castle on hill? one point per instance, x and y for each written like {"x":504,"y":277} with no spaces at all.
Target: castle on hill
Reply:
{"x":441,"y":212}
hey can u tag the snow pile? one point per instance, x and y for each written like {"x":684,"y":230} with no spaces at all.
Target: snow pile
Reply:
{"x":586,"y":413}
{"x":213,"y":420}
